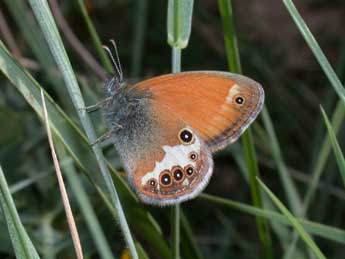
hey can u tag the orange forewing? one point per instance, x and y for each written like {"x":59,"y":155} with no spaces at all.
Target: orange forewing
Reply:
{"x":207,"y":102}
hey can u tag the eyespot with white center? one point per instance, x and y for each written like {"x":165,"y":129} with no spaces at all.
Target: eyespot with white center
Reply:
{"x":193,"y":156}
{"x":240,"y":100}
{"x":178,"y":174}
{"x":186,"y":136}
{"x":165,"y":178}
{"x":189,"y":170}
{"x":152,"y":183}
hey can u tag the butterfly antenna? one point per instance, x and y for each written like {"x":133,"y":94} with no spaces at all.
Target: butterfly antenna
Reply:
{"x":118,"y":70}
{"x":117,"y":58}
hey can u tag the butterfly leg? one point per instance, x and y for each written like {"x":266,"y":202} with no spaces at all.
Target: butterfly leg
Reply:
{"x":107,"y":135}
{"x":96,"y":106}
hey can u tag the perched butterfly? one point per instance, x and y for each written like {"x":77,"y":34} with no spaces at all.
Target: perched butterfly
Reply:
{"x":167,"y":127}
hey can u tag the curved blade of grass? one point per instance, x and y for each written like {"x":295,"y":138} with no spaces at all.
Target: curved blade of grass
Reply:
{"x":94,"y":37}
{"x":188,"y":242}
{"x":289,"y":186}
{"x":49,"y":29}
{"x":21,"y":242}
{"x":327,"y":232}
{"x":85,"y":205}
{"x":37,"y":44}
{"x":247,"y":140}
{"x":339,"y":113}
{"x":304,"y":235}
{"x":336,"y":148}
{"x":314,"y":46}
{"x":336,"y":84}
{"x":64,"y":196}
{"x":80,"y":150}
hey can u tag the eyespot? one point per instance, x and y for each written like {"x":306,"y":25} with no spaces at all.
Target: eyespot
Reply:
{"x":239,"y":99}
{"x":178,"y":174}
{"x":186,"y":136}
{"x":165,"y":178}
{"x":152,"y":182}
{"x":189,"y":170}
{"x":193,"y":156}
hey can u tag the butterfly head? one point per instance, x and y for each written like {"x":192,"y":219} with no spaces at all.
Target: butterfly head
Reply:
{"x":116,"y":81}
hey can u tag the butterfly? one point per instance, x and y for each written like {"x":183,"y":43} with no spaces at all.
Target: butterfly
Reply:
{"x":166,"y":128}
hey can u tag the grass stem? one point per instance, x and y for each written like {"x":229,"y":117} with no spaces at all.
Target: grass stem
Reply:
{"x":234,"y":64}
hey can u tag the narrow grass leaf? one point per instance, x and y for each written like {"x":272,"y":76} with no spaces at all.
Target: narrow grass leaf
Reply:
{"x":21,"y":242}
{"x":314,"y":46}
{"x":94,"y":37}
{"x":138,"y":42}
{"x":191,"y":249}
{"x":234,"y":64}
{"x":289,"y":186}
{"x":64,"y":195}
{"x":304,"y":235}
{"x":85,"y":205}
{"x":336,"y":148}
{"x":327,"y":232}
{"x":35,"y":40}
{"x":52,"y":36}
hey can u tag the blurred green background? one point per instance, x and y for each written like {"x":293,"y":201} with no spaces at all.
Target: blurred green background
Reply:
{"x":272,"y":51}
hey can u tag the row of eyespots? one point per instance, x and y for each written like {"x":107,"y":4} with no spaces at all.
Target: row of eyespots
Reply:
{"x":177,"y":174}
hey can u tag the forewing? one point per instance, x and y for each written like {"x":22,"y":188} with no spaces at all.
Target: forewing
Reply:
{"x":219,"y":106}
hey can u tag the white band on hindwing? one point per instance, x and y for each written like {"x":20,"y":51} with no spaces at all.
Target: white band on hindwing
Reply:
{"x":174,"y":156}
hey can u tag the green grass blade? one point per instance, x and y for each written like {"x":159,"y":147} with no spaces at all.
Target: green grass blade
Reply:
{"x":230,"y":37}
{"x":327,"y":232}
{"x":314,"y":46}
{"x":95,"y":38}
{"x":336,"y":84}
{"x":289,"y":186}
{"x":336,"y":148}
{"x":21,"y":242}
{"x":188,"y":241}
{"x":304,"y":235}
{"x":50,"y":31}
{"x":140,"y":22}
{"x":80,"y":150}
{"x":247,"y":141}
{"x":84,"y":204}
{"x":35,"y":40}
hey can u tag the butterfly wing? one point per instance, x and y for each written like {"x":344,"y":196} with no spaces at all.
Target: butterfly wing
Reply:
{"x":218,"y":105}
{"x":166,"y":160}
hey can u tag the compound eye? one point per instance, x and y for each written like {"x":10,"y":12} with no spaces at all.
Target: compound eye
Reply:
{"x":186,"y":136}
